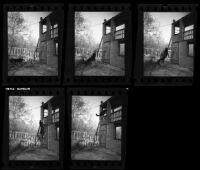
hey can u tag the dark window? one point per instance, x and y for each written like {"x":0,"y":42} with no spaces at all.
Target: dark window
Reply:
{"x":118,"y":132}
{"x":120,"y":31}
{"x":191,"y":49}
{"x":116,"y":114}
{"x":188,"y":34}
{"x":55,"y":115}
{"x":44,"y":28}
{"x":57,"y":132}
{"x":54,"y":31}
{"x":121,"y":49}
{"x":176,"y":30}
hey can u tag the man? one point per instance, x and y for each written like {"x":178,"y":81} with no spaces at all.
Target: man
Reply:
{"x":41,"y":128}
{"x":163,"y":55}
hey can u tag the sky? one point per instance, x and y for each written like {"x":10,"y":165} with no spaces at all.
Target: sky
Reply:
{"x":32,"y":20}
{"x":93,"y":103}
{"x":33,"y":104}
{"x":95,"y":19}
{"x":165,"y":20}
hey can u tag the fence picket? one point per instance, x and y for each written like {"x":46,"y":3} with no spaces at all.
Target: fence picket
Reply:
{"x":84,"y":138}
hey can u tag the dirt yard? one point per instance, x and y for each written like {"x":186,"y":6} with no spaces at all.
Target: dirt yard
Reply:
{"x":32,"y":70}
{"x":97,"y":69}
{"x":34,"y":154}
{"x":94,"y":154}
{"x":167,"y":69}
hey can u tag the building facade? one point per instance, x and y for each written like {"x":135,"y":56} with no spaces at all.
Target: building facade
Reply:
{"x":110,"y":123}
{"x":182,"y":47}
{"x":50,"y":114}
{"x":50,"y":33}
{"x":113,"y":41}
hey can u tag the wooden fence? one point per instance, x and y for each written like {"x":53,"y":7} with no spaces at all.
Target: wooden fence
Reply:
{"x":26,"y":54}
{"x":23,"y":138}
{"x":152,"y":52}
{"x":79,"y":51}
{"x":84,"y":138}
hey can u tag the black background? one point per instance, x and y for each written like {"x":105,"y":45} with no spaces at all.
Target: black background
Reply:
{"x":162,"y":122}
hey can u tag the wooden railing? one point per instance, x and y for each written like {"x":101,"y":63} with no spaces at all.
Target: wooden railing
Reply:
{"x":23,"y":138}
{"x":26,"y":54}
{"x":84,"y":138}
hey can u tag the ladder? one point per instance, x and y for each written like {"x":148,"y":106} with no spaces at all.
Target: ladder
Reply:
{"x":98,"y":57}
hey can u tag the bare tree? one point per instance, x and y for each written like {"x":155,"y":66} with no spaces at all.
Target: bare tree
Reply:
{"x":16,"y":25}
{"x":17,"y":111}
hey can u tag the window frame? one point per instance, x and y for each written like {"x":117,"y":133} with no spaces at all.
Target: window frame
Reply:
{"x":43,"y":32}
{"x":56,"y":51}
{"x":122,"y":42}
{"x":57,"y":136}
{"x":52,"y":29}
{"x":115,"y":126}
{"x":189,"y":49}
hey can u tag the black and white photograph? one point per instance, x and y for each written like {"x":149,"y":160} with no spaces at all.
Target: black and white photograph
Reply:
{"x":96,"y":132}
{"x":33,"y":43}
{"x":169,"y":44}
{"x":34,"y":127}
{"x":100,"y":43}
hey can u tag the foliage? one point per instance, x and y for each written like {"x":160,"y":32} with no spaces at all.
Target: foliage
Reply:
{"x":152,"y":34}
{"x":19,"y":116}
{"x":18,"y":33}
{"x":83,"y":35}
{"x":81,"y":117}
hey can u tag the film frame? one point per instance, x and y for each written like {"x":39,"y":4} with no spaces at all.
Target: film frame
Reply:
{"x":70,"y":77}
{"x":33,"y":80}
{"x":99,"y":164}
{"x":139,"y":78}
{"x":38,"y":164}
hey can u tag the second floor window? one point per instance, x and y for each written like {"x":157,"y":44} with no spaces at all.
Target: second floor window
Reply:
{"x":55,"y":115}
{"x":54,"y":31}
{"x":120,"y":31}
{"x":188,"y":34}
{"x":176,"y":30}
{"x":44,"y":28}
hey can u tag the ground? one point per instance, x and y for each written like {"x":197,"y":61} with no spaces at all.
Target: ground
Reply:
{"x":96,"y":153}
{"x":167,"y":69}
{"x":29,"y":69}
{"x":96,"y":69}
{"x":34,"y":154}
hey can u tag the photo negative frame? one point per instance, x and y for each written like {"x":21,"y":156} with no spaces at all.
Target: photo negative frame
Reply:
{"x":98,"y":100}
{"x":27,"y":149}
{"x":152,"y":67}
{"x":93,"y":63}
{"x":33,"y":43}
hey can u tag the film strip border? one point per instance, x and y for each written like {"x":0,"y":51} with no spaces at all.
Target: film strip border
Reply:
{"x":122,"y":93}
{"x":139,"y":78}
{"x":71,"y":76}
{"x":37,"y":164}
{"x":33,"y":79}
{"x":65,"y":130}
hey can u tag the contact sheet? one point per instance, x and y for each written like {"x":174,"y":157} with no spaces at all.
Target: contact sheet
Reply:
{"x":98,"y":85}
